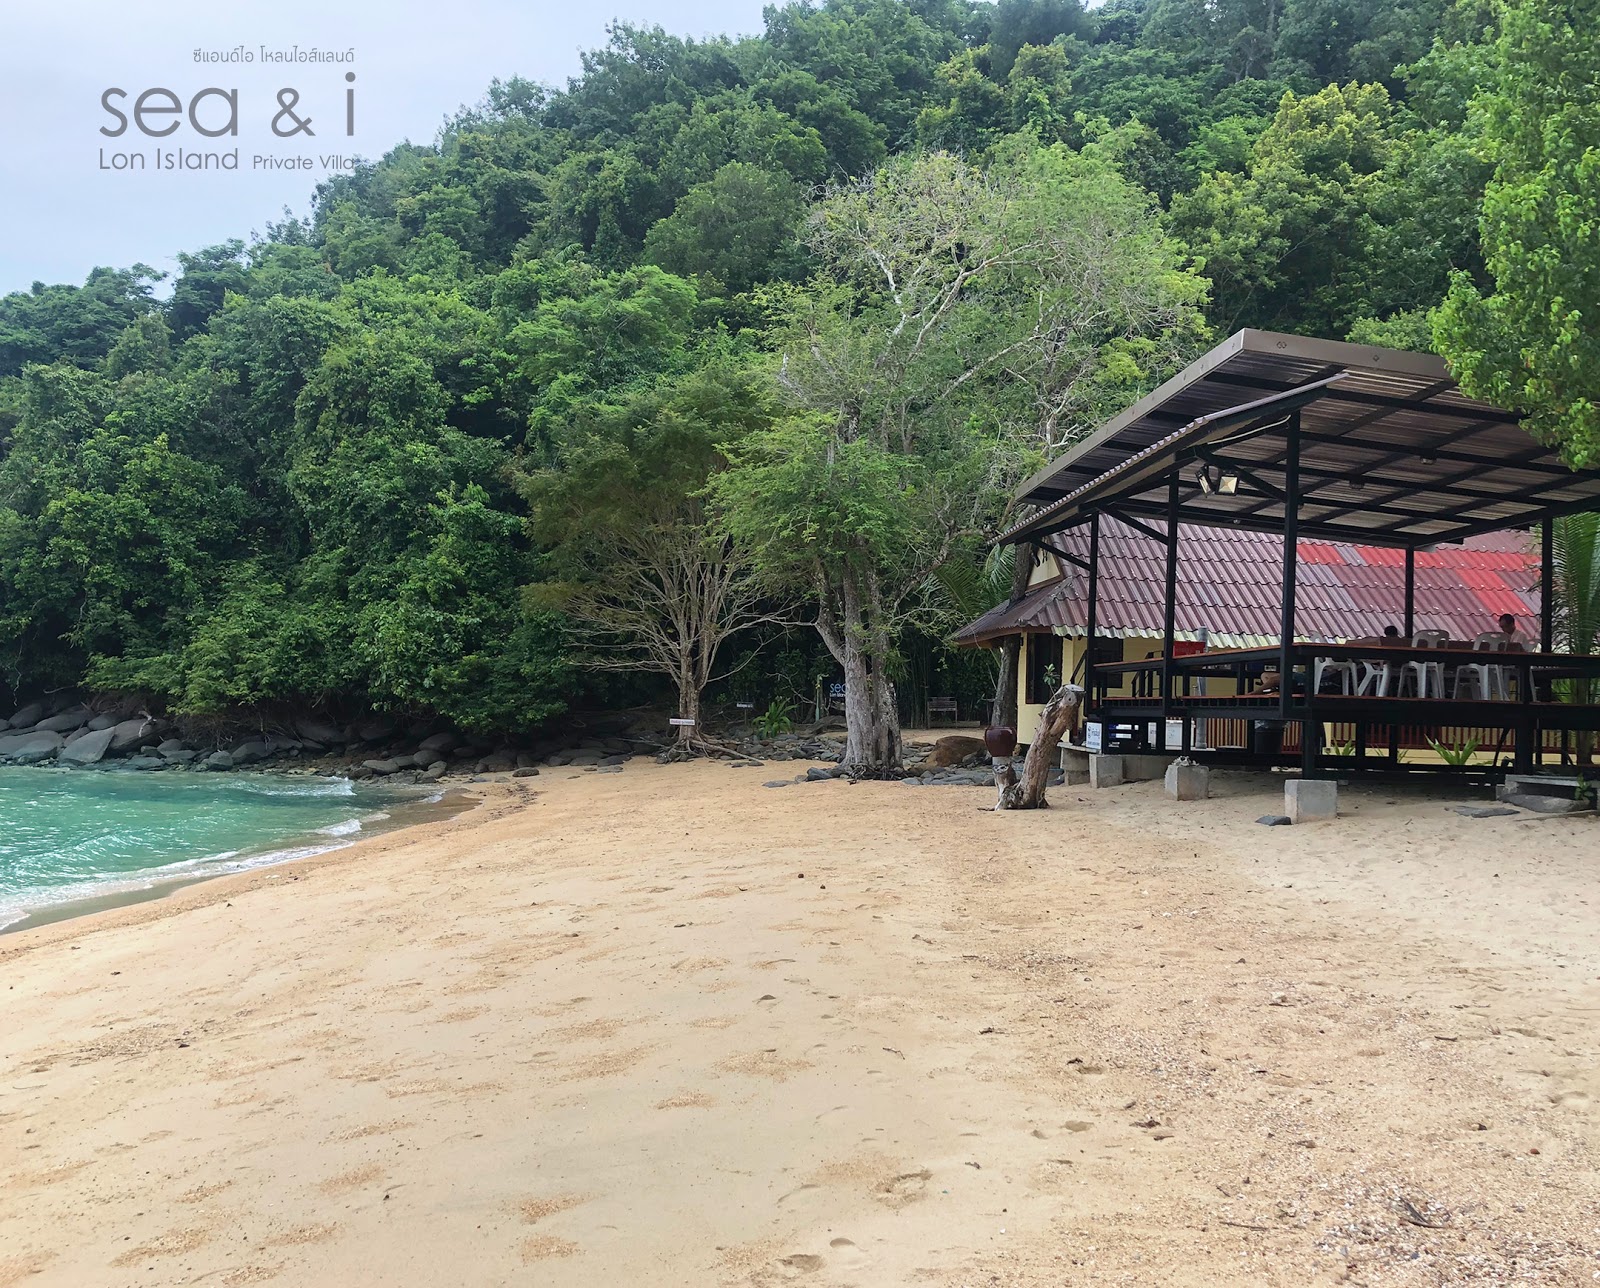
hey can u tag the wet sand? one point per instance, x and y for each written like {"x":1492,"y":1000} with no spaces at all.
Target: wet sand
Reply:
{"x":672,"y":1027}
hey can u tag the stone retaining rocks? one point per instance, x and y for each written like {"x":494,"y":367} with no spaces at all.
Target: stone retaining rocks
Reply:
{"x":28,"y":716}
{"x":87,"y":749}
{"x":65,"y":722}
{"x":30,"y":748}
{"x":218,"y":760}
{"x":314,"y":730}
{"x":128,"y":734}
{"x":145,"y":762}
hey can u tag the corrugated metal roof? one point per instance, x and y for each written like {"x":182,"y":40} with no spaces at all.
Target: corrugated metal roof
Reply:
{"x":1390,"y":452}
{"x":1230,"y":583}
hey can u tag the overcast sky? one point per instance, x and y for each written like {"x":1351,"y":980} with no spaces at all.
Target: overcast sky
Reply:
{"x":416,"y":62}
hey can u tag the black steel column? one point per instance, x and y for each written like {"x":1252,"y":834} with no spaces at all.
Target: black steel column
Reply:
{"x":1094,"y":615}
{"x":1291,"y":551}
{"x":1169,"y":624}
{"x":1411,"y":593}
{"x":1547,"y":586}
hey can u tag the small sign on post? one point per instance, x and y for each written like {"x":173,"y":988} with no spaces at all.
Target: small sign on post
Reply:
{"x":745,"y":706}
{"x":1092,"y":735}
{"x":681,"y":720}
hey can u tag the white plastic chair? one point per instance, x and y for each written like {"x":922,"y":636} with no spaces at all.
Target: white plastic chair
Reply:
{"x":1346,"y":672}
{"x":1376,"y":677}
{"x":1426,"y":678}
{"x":1485,"y":680}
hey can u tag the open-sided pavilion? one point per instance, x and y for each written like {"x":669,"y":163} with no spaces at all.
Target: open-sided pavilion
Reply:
{"x":1317,"y":439}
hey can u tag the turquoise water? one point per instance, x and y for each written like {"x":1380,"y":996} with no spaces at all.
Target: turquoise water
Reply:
{"x":73,"y":834}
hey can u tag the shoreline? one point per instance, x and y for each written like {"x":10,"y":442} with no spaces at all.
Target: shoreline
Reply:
{"x":438,"y":806}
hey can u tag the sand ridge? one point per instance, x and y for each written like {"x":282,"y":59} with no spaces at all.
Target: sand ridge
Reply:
{"x":671,"y":1027}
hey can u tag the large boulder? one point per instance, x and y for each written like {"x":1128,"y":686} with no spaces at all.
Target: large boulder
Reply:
{"x":383,"y":767}
{"x":88,"y":749}
{"x":103,"y":721}
{"x":951,"y":750}
{"x":31,"y":747}
{"x":66,"y":722}
{"x":128,"y":734}
{"x":28,"y":716}
{"x":314,"y":730}
{"x":439,"y":742}
{"x":248,"y":752}
{"x":218,"y":760}
{"x":373,"y":728}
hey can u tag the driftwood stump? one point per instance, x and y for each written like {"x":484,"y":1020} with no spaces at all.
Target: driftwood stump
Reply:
{"x":1058,"y":716}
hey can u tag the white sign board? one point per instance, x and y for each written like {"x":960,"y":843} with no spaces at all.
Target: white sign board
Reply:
{"x":680,"y":721}
{"x":1091,"y":735}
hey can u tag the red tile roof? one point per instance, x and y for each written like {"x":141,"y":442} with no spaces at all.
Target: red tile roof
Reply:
{"x":1230,"y":584}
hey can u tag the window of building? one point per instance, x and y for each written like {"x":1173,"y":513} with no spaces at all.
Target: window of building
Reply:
{"x":1044,"y":667}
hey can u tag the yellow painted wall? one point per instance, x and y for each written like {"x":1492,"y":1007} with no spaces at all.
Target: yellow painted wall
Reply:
{"x":1133,"y":650}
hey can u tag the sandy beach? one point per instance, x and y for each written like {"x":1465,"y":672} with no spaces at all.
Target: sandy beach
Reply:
{"x":672,"y":1027}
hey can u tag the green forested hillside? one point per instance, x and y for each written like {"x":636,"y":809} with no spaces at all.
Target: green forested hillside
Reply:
{"x":368,"y":460}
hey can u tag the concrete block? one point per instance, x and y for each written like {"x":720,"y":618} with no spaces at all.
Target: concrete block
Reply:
{"x":1074,"y":766}
{"x":1105,"y":770}
{"x":1310,"y":800}
{"x":1145,"y":769}
{"x":1541,"y":804}
{"x":1187,"y":781}
{"x":1537,"y":785}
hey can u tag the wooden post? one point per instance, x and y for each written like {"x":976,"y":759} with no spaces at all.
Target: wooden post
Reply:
{"x":1547,"y":585}
{"x":1411,"y":593}
{"x":1291,"y":551}
{"x":1169,"y":622}
{"x":1093,"y":614}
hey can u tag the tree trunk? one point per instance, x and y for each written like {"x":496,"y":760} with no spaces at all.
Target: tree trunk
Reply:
{"x":1004,"y":709}
{"x":688,"y":709}
{"x":872,"y":722}
{"x":1059,"y":715}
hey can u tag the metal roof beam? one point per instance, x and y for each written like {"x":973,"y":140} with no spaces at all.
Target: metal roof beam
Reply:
{"x":1143,"y":527}
{"x":1528,"y":461}
{"x":1309,"y":530}
{"x":1390,"y":404}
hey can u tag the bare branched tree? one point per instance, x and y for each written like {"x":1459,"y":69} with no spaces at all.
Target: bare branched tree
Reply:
{"x":664,"y":594}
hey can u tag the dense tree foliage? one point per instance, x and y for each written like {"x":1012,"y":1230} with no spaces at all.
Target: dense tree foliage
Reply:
{"x":1533,"y":341}
{"x":837,"y":282}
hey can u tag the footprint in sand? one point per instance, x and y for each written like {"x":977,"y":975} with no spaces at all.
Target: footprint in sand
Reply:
{"x":847,"y":1254}
{"x":805,"y":1263}
{"x":908,"y":1187}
